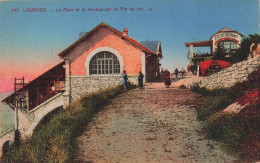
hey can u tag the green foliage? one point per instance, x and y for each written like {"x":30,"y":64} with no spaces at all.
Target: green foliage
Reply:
{"x":242,"y":53}
{"x":220,"y":53}
{"x":234,"y":131}
{"x":54,"y":140}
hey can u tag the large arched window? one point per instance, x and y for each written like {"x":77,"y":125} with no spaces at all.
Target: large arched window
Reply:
{"x":229,"y":45}
{"x":104,"y":63}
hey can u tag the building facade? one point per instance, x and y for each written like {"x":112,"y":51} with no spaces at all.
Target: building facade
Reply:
{"x":226,"y":37}
{"x":98,"y":59}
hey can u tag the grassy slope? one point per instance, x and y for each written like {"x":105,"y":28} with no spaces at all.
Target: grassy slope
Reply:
{"x":238,"y":133}
{"x":54,"y":140}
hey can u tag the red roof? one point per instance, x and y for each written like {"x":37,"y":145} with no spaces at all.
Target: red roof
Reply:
{"x":34,"y":80}
{"x":199,"y":43}
{"x":136,"y":43}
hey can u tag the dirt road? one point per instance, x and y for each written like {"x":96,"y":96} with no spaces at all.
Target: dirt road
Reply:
{"x":154,"y":125}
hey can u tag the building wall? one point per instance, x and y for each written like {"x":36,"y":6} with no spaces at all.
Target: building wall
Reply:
{"x":152,"y":67}
{"x":27,"y":121}
{"x":104,"y":37}
{"x":225,"y":36}
{"x":80,"y":86}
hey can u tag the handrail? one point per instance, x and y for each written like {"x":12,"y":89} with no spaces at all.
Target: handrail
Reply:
{"x":6,"y":131}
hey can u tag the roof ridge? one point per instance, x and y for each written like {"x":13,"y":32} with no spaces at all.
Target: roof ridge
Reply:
{"x":138,"y":44}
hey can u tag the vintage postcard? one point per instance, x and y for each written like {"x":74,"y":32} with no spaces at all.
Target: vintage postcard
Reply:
{"x":129,"y":81}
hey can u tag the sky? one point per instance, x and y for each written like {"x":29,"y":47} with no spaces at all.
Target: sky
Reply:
{"x":31,"y":41}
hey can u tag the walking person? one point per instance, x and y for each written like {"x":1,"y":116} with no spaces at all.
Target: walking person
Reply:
{"x":162,"y":73}
{"x":140,"y":80}
{"x":167,"y":79}
{"x":176,"y":72}
{"x":182,"y":73}
{"x":124,"y":80}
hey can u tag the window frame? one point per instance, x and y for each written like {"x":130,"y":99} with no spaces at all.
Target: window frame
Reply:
{"x":104,"y":63}
{"x":230,"y":44}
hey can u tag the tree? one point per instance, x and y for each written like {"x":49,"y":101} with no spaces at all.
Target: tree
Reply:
{"x":242,"y":53}
{"x":220,"y":53}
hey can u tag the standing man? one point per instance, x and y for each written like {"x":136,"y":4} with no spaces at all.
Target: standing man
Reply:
{"x":124,"y":80}
{"x":162,"y":72}
{"x":176,"y":72}
{"x":140,"y":80}
{"x":182,"y":72}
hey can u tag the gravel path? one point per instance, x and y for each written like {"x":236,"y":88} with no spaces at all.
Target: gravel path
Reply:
{"x":154,"y":125}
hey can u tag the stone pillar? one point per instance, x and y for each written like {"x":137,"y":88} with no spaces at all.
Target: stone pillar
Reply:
{"x":144,"y":66}
{"x":67,"y":93}
{"x":16,"y":117}
{"x":191,"y":53}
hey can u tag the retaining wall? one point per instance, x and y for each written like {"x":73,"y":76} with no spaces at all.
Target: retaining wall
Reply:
{"x":8,"y":137}
{"x":27,"y":121}
{"x":230,"y":76}
{"x":87,"y":84}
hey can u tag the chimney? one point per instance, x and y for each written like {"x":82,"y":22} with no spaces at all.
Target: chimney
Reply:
{"x":125,"y":32}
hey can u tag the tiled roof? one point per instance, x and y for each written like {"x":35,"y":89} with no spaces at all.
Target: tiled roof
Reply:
{"x":34,"y":80}
{"x":133,"y":41}
{"x":226,"y":29}
{"x":152,"y":45}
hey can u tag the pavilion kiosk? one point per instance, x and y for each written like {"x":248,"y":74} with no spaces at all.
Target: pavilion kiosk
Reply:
{"x":228,"y":38}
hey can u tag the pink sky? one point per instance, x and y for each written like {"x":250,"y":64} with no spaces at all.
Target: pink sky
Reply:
{"x":11,"y":69}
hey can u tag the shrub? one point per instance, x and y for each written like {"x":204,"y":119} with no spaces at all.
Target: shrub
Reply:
{"x":242,"y":53}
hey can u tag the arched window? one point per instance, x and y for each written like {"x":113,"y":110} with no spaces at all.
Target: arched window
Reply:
{"x":104,"y":63}
{"x":229,"y":45}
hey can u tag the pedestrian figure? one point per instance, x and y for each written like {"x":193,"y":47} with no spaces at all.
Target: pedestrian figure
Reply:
{"x":140,"y":80}
{"x":182,"y":72}
{"x":124,"y":80}
{"x":176,"y":72}
{"x":162,"y":72}
{"x":167,"y":80}
{"x":192,"y":69}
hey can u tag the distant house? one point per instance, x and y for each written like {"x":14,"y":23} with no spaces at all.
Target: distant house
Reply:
{"x":228,"y":38}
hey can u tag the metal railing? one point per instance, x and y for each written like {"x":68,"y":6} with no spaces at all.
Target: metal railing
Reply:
{"x":7,"y":130}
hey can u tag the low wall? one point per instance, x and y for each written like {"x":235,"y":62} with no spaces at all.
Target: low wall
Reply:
{"x":87,"y":84}
{"x":27,"y":121}
{"x":230,"y":76}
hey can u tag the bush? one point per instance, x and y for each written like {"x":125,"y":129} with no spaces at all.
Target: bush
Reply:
{"x":242,"y":53}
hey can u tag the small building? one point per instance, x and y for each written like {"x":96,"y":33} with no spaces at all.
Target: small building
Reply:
{"x":99,"y":57}
{"x":228,"y":38}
